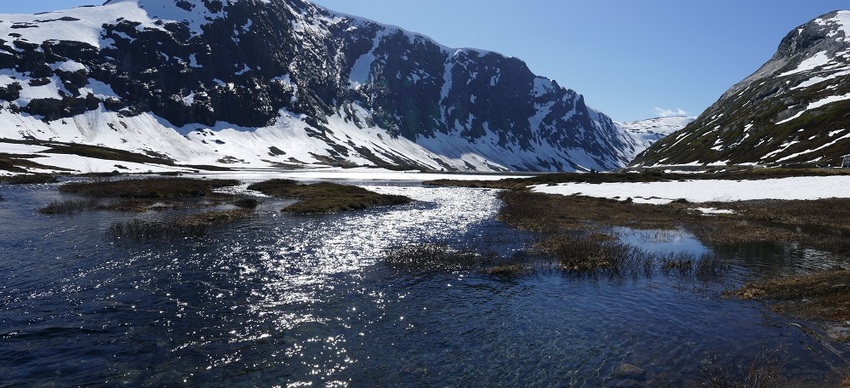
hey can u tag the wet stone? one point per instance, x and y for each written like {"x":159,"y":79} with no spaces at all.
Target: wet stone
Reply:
{"x":631,"y":372}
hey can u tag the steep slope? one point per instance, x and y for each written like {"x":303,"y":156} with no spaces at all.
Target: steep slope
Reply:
{"x":794,"y":110}
{"x":270,"y":82}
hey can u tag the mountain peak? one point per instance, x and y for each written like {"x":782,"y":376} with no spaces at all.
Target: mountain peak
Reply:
{"x":792,"y":110}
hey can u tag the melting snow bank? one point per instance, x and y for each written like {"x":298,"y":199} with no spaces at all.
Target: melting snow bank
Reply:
{"x":710,"y":190}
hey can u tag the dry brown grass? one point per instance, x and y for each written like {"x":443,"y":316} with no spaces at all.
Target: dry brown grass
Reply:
{"x":27,"y":179}
{"x":822,"y":295}
{"x":436,"y":257}
{"x":764,"y":370}
{"x":325,"y":197}
{"x":543,"y":212}
{"x":189,"y":226}
{"x":153,"y":188}
{"x":824,"y":224}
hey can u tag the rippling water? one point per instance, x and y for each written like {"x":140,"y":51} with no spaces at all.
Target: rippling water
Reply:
{"x":290,"y":301}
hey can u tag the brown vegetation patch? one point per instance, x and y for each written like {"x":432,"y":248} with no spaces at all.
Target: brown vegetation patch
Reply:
{"x":822,"y":295}
{"x":189,"y":226}
{"x":824,"y":224}
{"x":154,"y":188}
{"x":764,"y":370}
{"x":99,"y":152}
{"x":509,"y":270}
{"x":69,"y":207}
{"x":325,"y":197}
{"x":588,"y":253}
{"x":16,"y":163}
{"x":27,"y":179}
{"x":543,"y":212}
{"x":436,"y":257}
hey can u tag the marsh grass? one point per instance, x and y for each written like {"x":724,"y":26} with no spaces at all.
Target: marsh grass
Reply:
{"x":194,"y":225}
{"x":763,"y":370}
{"x":28,"y":179}
{"x":824,"y":295}
{"x":823,"y":224}
{"x":246,"y":203}
{"x":589,"y":253}
{"x":153,"y":188}
{"x":71,"y":206}
{"x":509,"y":270}
{"x":602,"y":254}
{"x":146,"y":230}
{"x":325,"y":197}
{"x":437,"y":257}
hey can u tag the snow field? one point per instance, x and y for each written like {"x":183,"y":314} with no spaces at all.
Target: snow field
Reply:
{"x":698,"y":191}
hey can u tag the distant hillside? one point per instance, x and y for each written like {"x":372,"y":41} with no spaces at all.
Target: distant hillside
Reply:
{"x":647,"y":132}
{"x":794,"y":110}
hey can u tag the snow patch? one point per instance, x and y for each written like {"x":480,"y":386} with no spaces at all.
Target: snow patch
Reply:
{"x":819,"y":59}
{"x":699,"y":191}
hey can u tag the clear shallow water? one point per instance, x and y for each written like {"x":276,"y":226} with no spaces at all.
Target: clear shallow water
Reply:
{"x":282,"y":300}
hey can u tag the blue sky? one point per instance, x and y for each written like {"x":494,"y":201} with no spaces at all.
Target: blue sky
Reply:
{"x":631,"y":59}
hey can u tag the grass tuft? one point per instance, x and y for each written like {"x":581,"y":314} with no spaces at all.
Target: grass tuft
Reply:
{"x":72,"y":206}
{"x":588,"y":253}
{"x":509,"y":270}
{"x":325,"y":197}
{"x":191,"y":226}
{"x":764,"y":370}
{"x":436,"y":257}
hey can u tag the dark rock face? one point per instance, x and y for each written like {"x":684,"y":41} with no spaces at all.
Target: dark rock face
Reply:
{"x":792,"y":110}
{"x":253,"y":59}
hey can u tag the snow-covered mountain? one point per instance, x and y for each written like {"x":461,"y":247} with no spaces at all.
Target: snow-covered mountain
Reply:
{"x":647,"y":132}
{"x":794,"y":110}
{"x":253,"y":83}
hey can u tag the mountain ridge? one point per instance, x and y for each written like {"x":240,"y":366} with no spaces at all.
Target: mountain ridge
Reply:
{"x":333,"y":89}
{"x":793,"y":110}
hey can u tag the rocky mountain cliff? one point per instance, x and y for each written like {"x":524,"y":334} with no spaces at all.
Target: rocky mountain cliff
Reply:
{"x":794,"y":110}
{"x":277,"y":82}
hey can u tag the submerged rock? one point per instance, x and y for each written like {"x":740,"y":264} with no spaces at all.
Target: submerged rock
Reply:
{"x":629,"y":371}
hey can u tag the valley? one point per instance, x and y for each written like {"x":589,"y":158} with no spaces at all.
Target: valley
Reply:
{"x":268,"y":192}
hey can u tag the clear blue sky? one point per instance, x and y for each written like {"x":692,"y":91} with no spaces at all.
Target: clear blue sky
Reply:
{"x":631,"y":59}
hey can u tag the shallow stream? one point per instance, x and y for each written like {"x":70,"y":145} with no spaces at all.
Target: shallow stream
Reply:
{"x":297,"y":300}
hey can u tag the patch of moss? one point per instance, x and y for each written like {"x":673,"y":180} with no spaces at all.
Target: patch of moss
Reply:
{"x":325,"y":197}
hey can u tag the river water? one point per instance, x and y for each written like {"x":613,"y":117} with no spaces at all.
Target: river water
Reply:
{"x":279,"y":300}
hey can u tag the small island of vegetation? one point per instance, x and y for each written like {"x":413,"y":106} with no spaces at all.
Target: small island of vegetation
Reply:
{"x":325,"y":197}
